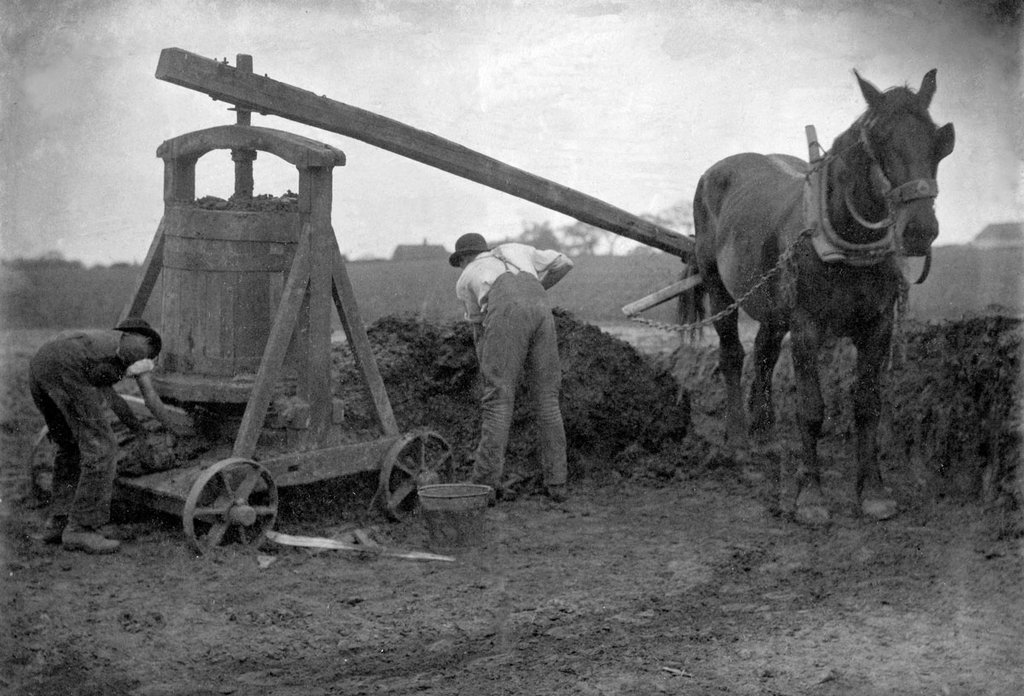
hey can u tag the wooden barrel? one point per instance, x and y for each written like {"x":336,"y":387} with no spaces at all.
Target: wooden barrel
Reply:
{"x":223,"y":273}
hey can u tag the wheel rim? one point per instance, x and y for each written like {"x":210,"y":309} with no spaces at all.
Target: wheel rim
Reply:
{"x":413,"y":454}
{"x":232,"y":501}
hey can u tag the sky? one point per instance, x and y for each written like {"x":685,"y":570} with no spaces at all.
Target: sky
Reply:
{"x":627,"y":101}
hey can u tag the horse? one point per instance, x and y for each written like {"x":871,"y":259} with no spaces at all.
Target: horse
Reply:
{"x":813,"y":249}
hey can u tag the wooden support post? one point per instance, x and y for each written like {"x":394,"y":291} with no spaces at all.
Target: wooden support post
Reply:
{"x":348,"y":312}
{"x":295,"y":289}
{"x":316,"y":379}
{"x":147,"y":281}
{"x":180,"y":180}
{"x":813,"y":146}
{"x":243,"y":159}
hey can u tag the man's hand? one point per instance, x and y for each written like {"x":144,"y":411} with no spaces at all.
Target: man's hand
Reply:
{"x":140,"y":367}
{"x":174,"y":419}
{"x":123,"y":411}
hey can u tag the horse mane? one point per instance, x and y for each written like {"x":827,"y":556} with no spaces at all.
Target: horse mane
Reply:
{"x":899,"y":100}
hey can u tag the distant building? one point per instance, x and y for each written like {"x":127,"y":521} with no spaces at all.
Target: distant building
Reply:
{"x":1000,"y":235}
{"x":419,"y":252}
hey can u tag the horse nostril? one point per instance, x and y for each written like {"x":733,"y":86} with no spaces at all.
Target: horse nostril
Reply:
{"x":917,"y":242}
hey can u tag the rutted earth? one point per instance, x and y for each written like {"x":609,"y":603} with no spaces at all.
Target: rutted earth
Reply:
{"x":681,"y":583}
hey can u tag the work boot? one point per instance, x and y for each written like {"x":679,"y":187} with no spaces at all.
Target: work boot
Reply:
{"x":113,"y":532}
{"x":53,"y":529}
{"x":558,"y":493}
{"x":79,"y":538}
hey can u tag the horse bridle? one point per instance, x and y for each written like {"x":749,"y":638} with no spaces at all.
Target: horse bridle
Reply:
{"x":896,"y":197}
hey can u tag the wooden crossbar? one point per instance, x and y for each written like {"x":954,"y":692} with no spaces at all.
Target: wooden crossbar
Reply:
{"x":664,"y":295}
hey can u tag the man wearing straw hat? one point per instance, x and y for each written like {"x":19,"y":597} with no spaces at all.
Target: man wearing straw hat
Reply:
{"x":503,"y":290}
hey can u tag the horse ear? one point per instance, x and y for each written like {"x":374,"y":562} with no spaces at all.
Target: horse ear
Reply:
{"x":927,"y":90}
{"x":871,"y":94}
{"x":945,"y":138}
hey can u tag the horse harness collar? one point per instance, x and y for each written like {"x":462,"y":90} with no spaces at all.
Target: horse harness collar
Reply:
{"x":833,"y":248}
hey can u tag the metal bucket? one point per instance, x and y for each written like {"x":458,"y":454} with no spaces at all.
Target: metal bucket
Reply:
{"x":454,"y":513}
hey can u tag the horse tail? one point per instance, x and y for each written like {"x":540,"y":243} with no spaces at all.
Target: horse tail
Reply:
{"x":690,"y":307}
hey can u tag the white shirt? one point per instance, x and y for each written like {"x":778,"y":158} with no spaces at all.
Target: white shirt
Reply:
{"x":478,"y":276}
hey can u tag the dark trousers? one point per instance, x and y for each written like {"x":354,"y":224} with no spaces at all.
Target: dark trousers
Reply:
{"x":85,"y":463}
{"x":519,"y":335}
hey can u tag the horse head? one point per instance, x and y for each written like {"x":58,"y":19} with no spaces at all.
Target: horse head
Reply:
{"x":894,"y":153}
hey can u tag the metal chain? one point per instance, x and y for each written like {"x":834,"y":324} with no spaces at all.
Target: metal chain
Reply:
{"x":784,"y":259}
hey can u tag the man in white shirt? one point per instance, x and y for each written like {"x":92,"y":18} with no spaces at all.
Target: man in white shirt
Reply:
{"x":503,"y":290}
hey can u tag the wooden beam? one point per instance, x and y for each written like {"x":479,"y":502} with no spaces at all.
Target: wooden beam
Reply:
{"x":664,"y":295}
{"x":259,"y":93}
{"x":324,"y":463}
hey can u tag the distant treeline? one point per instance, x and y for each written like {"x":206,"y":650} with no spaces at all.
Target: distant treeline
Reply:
{"x":54,"y":293}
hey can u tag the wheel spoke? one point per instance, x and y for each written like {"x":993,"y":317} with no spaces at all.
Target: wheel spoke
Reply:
{"x":403,"y":491}
{"x":247,"y":486}
{"x":264,"y":510}
{"x":444,"y":460}
{"x":215,"y":535}
{"x":422,"y":448}
{"x":225,"y":482}
{"x":219,"y":512}
{"x":404,"y":467}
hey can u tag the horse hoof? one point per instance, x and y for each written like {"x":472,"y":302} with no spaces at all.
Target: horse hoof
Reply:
{"x":813,"y":515}
{"x":880,"y":508}
{"x":811,"y":508}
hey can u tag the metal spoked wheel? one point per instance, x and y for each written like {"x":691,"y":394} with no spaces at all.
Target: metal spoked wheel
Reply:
{"x":232,"y":501}
{"x":417,"y":454}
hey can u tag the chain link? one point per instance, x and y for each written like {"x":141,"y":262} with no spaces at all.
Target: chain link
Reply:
{"x":784,"y":259}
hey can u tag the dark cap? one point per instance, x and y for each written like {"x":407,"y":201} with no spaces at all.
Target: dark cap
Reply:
{"x":471,"y":243}
{"x":140,"y":326}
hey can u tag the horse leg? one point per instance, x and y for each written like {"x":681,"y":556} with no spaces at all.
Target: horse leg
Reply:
{"x":730,"y":363}
{"x":872,"y":348}
{"x":810,"y":505}
{"x":766,"y":354}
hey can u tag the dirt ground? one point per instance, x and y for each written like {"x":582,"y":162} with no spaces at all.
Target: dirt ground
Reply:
{"x":690,"y":584}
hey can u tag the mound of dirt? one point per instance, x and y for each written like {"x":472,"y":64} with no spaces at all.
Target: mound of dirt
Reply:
{"x":260,"y":203}
{"x":613,"y":398}
{"x":951,"y":403}
{"x":956,"y":405}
